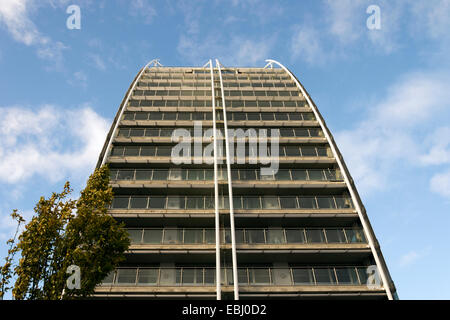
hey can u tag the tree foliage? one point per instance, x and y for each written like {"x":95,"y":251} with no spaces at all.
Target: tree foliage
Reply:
{"x":67,"y":232}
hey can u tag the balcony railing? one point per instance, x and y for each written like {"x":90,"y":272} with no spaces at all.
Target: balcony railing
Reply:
{"x":177,"y":174}
{"x":247,"y":236}
{"x":249,"y":276}
{"x":239,"y":202}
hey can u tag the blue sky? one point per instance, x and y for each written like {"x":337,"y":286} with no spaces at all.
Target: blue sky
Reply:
{"x":384,"y":93}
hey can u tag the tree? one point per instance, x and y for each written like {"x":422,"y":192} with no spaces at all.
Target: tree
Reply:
{"x":57,"y":238}
{"x":6,"y":270}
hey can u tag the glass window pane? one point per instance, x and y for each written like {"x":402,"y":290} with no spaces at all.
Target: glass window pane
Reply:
{"x":148,"y":151}
{"x":269,"y":202}
{"x":242,"y":276}
{"x":141,"y":116}
{"x":177,"y":174}
{"x":316,"y":175}
{"x":196,"y":174}
{"x":173,"y":236}
{"x":307,"y":202}
{"x":163,"y":151}
{"x":315,"y":235}
{"x":294,"y":116}
{"x":267,"y":116}
{"x":275,"y":236}
{"x":255,"y":236}
{"x":152,"y":132}
{"x":298,"y":174}
{"x":109,"y":278}
{"x":302,"y":276}
{"x":292,"y":151}
{"x":152,"y":236}
{"x":253,"y":116}
{"x":281,"y":116}
{"x":355,"y":235}
{"x":143,"y":174}
{"x":193,"y":236}
{"x":259,"y":276}
{"x":283,"y":174}
{"x":120,"y":202}
{"x":286,"y":132}
{"x":135,"y":235}
{"x":335,"y":235}
{"x":155,"y":115}
{"x":210,"y":236}
{"x":237,"y":202}
{"x":160,"y":174}
{"x":195,"y":203}
{"x":326,"y":202}
{"x":137,"y":132}
{"x":170,"y":116}
{"x":308,"y":152}
{"x":248,"y":174}
{"x":148,"y":276}
{"x":117,"y":151}
{"x":347,"y":276}
{"x":138,"y":202}
{"x":288,"y":202}
{"x":125,"y":175}
{"x":322,"y":152}
{"x":157,"y":202}
{"x":295,"y":236}
{"x":165,"y":132}
{"x":175,"y":202}
{"x":324,"y":276}
{"x":343,"y":202}
{"x":251,"y":203}
{"x":131,"y":151}
{"x":300,"y":132}
{"x":184,"y":116}
{"x":126,"y":276}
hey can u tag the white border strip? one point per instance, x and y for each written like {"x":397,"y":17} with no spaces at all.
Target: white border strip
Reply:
{"x":349,"y":186}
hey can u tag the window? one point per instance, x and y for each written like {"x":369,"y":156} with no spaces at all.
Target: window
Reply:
{"x":270,"y":202}
{"x":315,"y":235}
{"x":248,"y":174}
{"x":347,"y":276}
{"x":251,"y":203}
{"x":299,"y":132}
{"x":162,"y":151}
{"x":293,"y":116}
{"x":259,"y":276}
{"x":143,"y":174}
{"x":175,"y":202}
{"x":138,"y":132}
{"x":307,"y":202}
{"x":132,"y":151}
{"x":148,"y":276}
{"x":196,"y":174}
{"x":120,"y":202}
{"x":281,"y":116}
{"x":125,"y":175}
{"x":266,"y":116}
{"x":283,"y":174}
{"x":324,"y":276}
{"x":292,"y":151}
{"x":298,"y":174}
{"x":160,"y":174}
{"x":288,"y":202}
{"x":284,"y":132}
{"x":316,"y":175}
{"x":302,"y":276}
{"x":177,"y":174}
{"x":135,"y":235}
{"x":157,"y":202}
{"x":148,"y":151}
{"x":138,"y":202}
{"x":193,"y":236}
{"x":195,"y":203}
{"x":275,"y":236}
{"x":343,"y":202}
{"x":326,"y":203}
{"x":335,"y":235}
{"x":152,"y":236}
{"x":309,"y":152}
{"x":126,"y":276}
{"x":295,"y":236}
{"x":355,"y":235}
{"x":156,"y":115}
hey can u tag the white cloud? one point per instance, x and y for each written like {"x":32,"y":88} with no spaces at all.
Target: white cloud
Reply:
{"x":440,"y":184}
{"x":249,"y":52}
{"x":49,"y":142}
{"x":143,"y":9}
{"x":389,"y":137}
{"x":306,"y":44}
{"x":14,"y":14}
{"x":413,"y":256}
{"x":97,"y":61}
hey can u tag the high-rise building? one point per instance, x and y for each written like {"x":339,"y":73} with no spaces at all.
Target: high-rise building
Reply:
{"x":231,"y":186}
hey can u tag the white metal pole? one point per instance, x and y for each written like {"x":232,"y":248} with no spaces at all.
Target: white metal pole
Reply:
{"x":230,"y":190}
{"x":216,"y":189}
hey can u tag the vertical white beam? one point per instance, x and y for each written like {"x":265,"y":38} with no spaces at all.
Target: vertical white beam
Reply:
{"x":216,"y":189}
{"x":113,"y":134}
{"x":230,"y":189}
{"x":347,"y":181}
